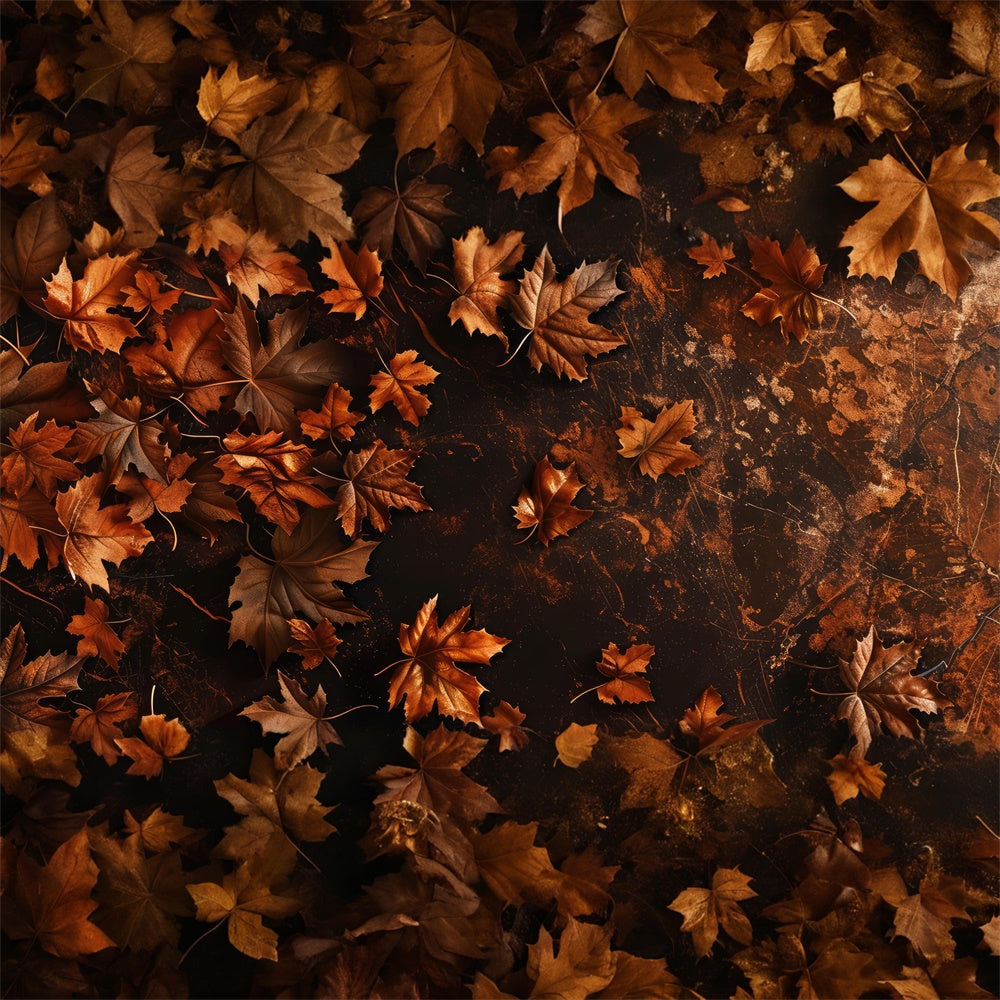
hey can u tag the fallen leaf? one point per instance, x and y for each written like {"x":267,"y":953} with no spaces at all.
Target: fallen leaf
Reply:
{"x":147,"y":496}
{"x":795,"y":32}
{"x":639,"y":978}
{"x":313,"y":644}
{"x":575,"y":744}
{"x":548,"y":505}
{"x":32,"y":458}
{"x":398,"y":385}
{"x":376,"y":482}
{"x":147,"y":294}
{"x":583,"y":966}
{"x":229,"y":104}
{"x":711,"y":727}
{"x":24,"y":158}
{"x":624,"y":669}
{"x":358,"y":277}
{"x":256,"y":264}
{"x":42,"y":390}
{"x":873,"y":100}
{"x":652,"y":767}
{"x":711,"y":256}
{"x":100,"y":726}
{"x":505,"y":722}
{"x":96,"y":635}
{"x":26,"y":521}
{"x":158,"y":832}
{"x":477,"y":266}
{"x":162,"y":740}
{"x":334,"y":419}
{"x":925,"y":919}
{"x":24,"y":685}
{"x":32,"y":250}
{"x":850,"y":775}
{"x":706,"y":911}
{"x":657,"y":444}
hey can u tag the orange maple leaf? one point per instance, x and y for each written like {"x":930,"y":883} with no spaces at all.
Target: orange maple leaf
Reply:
{"x":358,"y":277}
{"x":163,"y":739}
{"x":625,"y":670}
{"x":397,"y":385}
{"x":334,"y":419}
{"x":548,"y":505}
{"x":711,"y":727}
{"x":711,"y":256}
{"x":657,"y":444}
{"x":100,"y":726}
{"x":96,"y":636}
{"x":34,"y":458}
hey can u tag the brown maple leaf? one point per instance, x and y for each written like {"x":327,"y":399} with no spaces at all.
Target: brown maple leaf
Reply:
{"x":31,"y":251}
{"x":884,"y":690}
{"x":34,"y":459}
{"x":478,"y":266}
{"x":548,"y":505}
{"x":575,"y":744}
{"x":147,"y":293}
{"x":412,"y":217}
{"x":505,"y":722}
{"x":398,"y":385}
{"x":657,"y":444}
{"x":652,"y":766}
{"x":229,"y":104}
{"x":873,"y":100}
{"x":706,"y":911}
{"x":557,"y":314}
{"x":925,"y":919}
{"x":299,"y":717}
{"x":850,"y":775}
{"x":625,"y":670}
{"x":96,"y":636}
{"x":334,"y":419}
{"x":711,"y":727}
{"x":927,"y":214}
{"x":24,"y":685}
{"x":162,"y":740}
{"x":313,"y":644}
{"x":42,"y":390}
{"x":300,"y":580}
{"x":26,"y":521}
{"x":583,"y":966}
{"x":100,"y":726}
{"x":428,"y":674}
{"x":795,"y":275}
{"x":207,"y":506}
{"x":649,"y":35}
{"x":157,"y":831}
{"x":24,"y":158}
{"x":94,"y":534}
{"x":795,"y":32}
{"x":358,"y":277}
{"x":711,"y":256}
{"x":275,"y":473}
{"x":147,"y":496}
{"x":376,"y":482}
{"x":84,"y":305}
{"x":256,"y":264}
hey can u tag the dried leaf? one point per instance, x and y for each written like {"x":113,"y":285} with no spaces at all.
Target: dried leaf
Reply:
{"x":358,"y":277}
{"x":334,"y":419}
{"x":795,"y":32}
{"x":873,"y":100}
{"x":711,"y":727}
{"x":162,"y":739}
{"x":24,"y":685}
{"x":575,"y":744}
{"x":706,"y":911}
{"x":376,"y":482}
{"x":624,"y":669}
{"x":850,"y":775}
{"x":397,"y":385}
{"x":256,"y":264}
{"x":100,"y":726}
{"x":505,"y":722}
{"x":478,"y":266}
{"x":314,"y":645}
{"x":711,"y":256}
{"x":229,"y":104}
{"x":33,"y":458}
{"x":548,"y":505}
{"x":657,"y":444}
{"x":96,"y":635}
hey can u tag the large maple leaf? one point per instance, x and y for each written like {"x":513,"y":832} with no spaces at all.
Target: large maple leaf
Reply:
{"x":577,"y":151}
{"x":30,"y":251}
{"x":795,"y":32}
{"x":583,"y":966}
{"x":657,"y":444}
{"x":927,"y":214}
{"x":300,"y":580}
{"x":229,"y":103}
{"x":428,"y":674}
{"x":24,"y":685}
{"x":557,"y":314}
{"x":884,"y":690}
{"x":376,"y":482}
{"x":649,"y":36}
{"x":548,"y":505}
{"x":24,"y":522}
{"x":706,"y":911}
{"x":34,"y":458}
{"x":478,"y":266}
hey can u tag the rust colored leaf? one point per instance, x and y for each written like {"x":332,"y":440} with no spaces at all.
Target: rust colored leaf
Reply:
{"x":31,"y":250}
{"x":334,"y":419}
{"x":850,"y":775}
{"x":358,"y":277}
{"x":428,"y":674}
{"x":627,"y":685}
{"x":711,"y":256}
{"x":162,"y":740}
{"x":711,"y":727}
{"x":657,"y":444}
{"x":25,"y":522}
{"x":548,"y":505}
{"x":313,"y":644}
{"x":43,"y":390}
{"x":583,"y":966}
{"x":478,"y":266}
{"x":652,"y":767}
{"x":575,"y":744}
{"x":24,"y":685}
{"x":505,"y":722}
{"x":101,"y":726}
{"x":147,"y":496}
{"x":256,"y":265}
{"x":147,"y":294}
{"x":376,"y":482}
{"x":96,"y":635}
{"x":398,"y":385}
{"x":707,"y":911}
{"x":32,"y":458}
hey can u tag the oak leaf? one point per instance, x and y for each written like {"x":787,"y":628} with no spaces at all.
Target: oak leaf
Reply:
{"x":358,"y":277}
{"x":300,"y":580}
{"x":548,"y":505}
{"x":850,"y":775}
{"x":477,"y":266}
{"x":275,"y":473}
{"x":376,"y":482}
{"x":649,"y":36}
{"x":256,"y":264}
{"x":33,"y":458}
{"x":557,"y":314}
{"x":873,"y":100}
{"x":24,"y":685}
{"x":398,"y":385}
{"x":334,"y":419}
{"x":428,"y":674}
{"x":795,"y":32}
{"x":296,"y":715}
{"x":583,"y":966}
{"x":711,"y":727}
{"x":83,"y":305}
{"x":505,"y":722}
{"x":884,"y":690}
{"x":31,"y":250}
{"x":313,"y":644}
{"x":96,"y":635}
{"x":795,"y":275}
{"x":657,"y":444}
{"x":575,"y":744}
{"x":100,"y":726}
{"x":162,"y":740}
{"x":706,"y":911}
{"x":711,"y":256}
{"x":229,"y":104}
{"x":927,"y":214}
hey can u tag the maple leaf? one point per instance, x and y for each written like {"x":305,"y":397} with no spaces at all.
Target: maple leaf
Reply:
{"x":651,"y":765}
{"x":505,"y":722}
{"x":446,"y":79}
{"x":207,"y":505}
{"x":711,"y":256}
{"x":334,"y":419}
{"x":301,"y":579}
{"x":873,"y":100}
{"x":376,"y":482}
{"x":794,"y":275}
{"x":123,"y":437}
{"x":314,"y":645}
{"x":924,"y":919}
{"x":513,"y":868}
{"x":157,"y":832}
{"x":548,"y":506}
{"x":146,"y":294}
{"x":283,"y":188}
{"x":24,"y":522}
{"x":24,"y":157}
{"x":277,"y":378}
{"x":657,"y":444}
{"x":30,"y":756}
{"x":296,"y":715}
{"x":640,"y":977}
{"x":437,"y":782}
{"x":275,"y":473}
{"x":557,"y":314}
{"x":33,"y":458}
{"x":100,"y":726}
{"x":624,"y":669}
{"x":410,"y":216}
{"x":927,"y":214}
{"x":705,"y":911}
{"x":96,"y":636}
{"x":398,"y":385}
{"x":340,"y":87}
{"x":850,"y":775}
{"x":583,"y":967}
{"x":428,"y":674}
{"x":884,"y":690}
{"x":577,"y":152}
{"x":255,"y":263}
{"x":147,"y":496}
{"x":242,"y":900}
{"x":795,"y":32}
{"x":52,"y":903}
{"x":649,"y":36}
{"x":478,"y":266}
{"x":358,"y":277}
{"x":41,"y":390}
{"x":83,"y":305}
{"x":163,"y":739}
{"x":229,"y":104}
{"x":24,"y":685}
{"x":575,"y":744}
{"x":30,"y":251}
{"x":141,"y":189}
{"x":711,"y":727}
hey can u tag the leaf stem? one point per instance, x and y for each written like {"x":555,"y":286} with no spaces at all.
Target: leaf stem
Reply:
{"x":582,"y":693}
